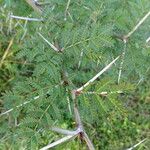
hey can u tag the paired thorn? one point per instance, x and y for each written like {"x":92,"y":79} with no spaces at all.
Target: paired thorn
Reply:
{"x":96,"y":76}
{"x":148,"y":40}
{"x":50,"y":44}
{"x":137,"y":26}
{"x":70,"y":135}
{"x":26,"y":18}
{"x":60,"y":141}
{"x":131,"y":148}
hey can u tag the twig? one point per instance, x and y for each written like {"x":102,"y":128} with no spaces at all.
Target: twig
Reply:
{"x":6,"y":52}
{"x":137,"y":26}
{"x":131,"y":148}
{"x":51,"y":45}
{"x":25,"y":18}
{"x":96,"y":76}
{"x":34,"y":6}
{"x":122,"y":60}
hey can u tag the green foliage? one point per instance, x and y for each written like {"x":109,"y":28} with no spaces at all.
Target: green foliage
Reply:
{"x":35,"y":87}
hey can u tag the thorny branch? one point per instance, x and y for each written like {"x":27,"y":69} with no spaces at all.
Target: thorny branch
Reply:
{"x":75,"y":93}
{"x":78,"y":91}
{"x":80,"y":129}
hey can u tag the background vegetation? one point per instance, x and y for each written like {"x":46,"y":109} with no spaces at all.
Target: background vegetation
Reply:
{"x":89,"y":33}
